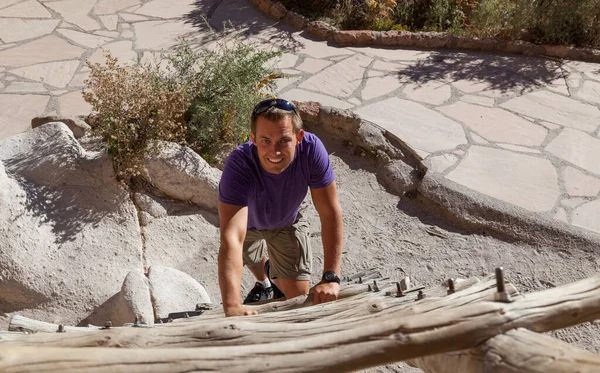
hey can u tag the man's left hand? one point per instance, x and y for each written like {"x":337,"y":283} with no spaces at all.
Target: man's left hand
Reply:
{"x":325,"y":292}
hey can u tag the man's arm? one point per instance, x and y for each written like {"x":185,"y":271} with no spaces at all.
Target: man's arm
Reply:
{"x":332,"y":233}
{"x":233,"y":223}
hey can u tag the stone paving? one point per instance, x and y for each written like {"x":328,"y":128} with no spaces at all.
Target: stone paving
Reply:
{"x":525,"y":131}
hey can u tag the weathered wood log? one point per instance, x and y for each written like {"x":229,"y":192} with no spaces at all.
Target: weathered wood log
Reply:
{"x":19,"y":323}
{"x":229,"y":331}
{"x":516,"y":351}
{"x":380,"y":339}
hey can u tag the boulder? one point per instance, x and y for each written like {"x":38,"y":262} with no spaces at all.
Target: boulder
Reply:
{"x":76,"y":125}
{"x":69,"y":231}
{"x":174,"y":291}
{"x":180,"y":173}
{"x":131,"y":303}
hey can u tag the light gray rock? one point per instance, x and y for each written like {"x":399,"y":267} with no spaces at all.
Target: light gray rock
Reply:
{"x":131,"y":303}
{"x":76,"y":125}
{"x":69,"y":232}
{"x":398,"y":177}
{"x":578,"y":148}
{"x":423,"y":129}
{"x":588,"y":216}
{"x":149,"y":205}
{"x":523,"y":180}
{"x":182,"y":174}
{"x":174,"y":291}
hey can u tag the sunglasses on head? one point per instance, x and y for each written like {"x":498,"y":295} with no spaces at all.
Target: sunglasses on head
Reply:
{"x":278,"y":103}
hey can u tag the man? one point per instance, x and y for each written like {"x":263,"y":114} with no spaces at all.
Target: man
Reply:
{"x":262,"y":187}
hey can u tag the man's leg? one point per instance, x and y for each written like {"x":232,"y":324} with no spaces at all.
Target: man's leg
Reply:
{"x":258,"y":270}
{"x":290,"y":259}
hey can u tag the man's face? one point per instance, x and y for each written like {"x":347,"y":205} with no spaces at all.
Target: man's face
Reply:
{"x":276,"y":143}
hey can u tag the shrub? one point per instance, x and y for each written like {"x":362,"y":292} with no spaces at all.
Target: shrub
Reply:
{"x":491,"y":18}
{"x":132,"y":107}
{"x":223,"y":85}
{"x":559,"y":22}
{"x":202,"y":98}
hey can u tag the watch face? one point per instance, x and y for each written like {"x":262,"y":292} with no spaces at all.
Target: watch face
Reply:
{"x":329,"y":276}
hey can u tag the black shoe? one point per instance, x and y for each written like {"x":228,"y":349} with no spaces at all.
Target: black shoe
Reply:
{"x":260,"y":293}
{"x":276,"y":292}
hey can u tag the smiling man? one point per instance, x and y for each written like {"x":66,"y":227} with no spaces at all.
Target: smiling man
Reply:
{"x":262,"y":188}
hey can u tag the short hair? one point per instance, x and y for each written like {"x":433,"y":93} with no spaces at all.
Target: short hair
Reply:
{"x":275,"y":115}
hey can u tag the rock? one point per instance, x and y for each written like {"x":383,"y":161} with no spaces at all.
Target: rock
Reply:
{"x":180,"y":173}
{"x":263,"y":5}
{"x":69,"y":232}
{"x":321,"y":30}
{"x":398,"y":177}
{"x":309,"y":110}
{"x":174,"y":291}
{"x":296,"y":20}
{"x":277,"y":11}
{"x":147,"y":204}
{"x":358,"y":37}
{"x":133,"y":301}
{"x":339,"y":122}
{"x":76,"y":125}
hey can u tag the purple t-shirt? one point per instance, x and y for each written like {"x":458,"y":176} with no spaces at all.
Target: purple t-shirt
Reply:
{"x":274,"y":200}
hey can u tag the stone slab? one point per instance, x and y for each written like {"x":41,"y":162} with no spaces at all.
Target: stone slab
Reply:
{"x":380,"y":86}
{"x":166,"y":8}
{"x":421,"y":128}
{"x":477,"y":100}
{"x":73,"y":104}
{"x":38,"y":51}
{"x":113,"y":6}
{"x":84,"y":39}
{"x":76,"y":12}
{"x":478,"y":139}
{"x":441,"y":163}
{"x":561,"y":215}
{"x":579,"y":184}
{"x":496,"y":125}
{"x":127,"y":17}
{"x":22,"y":29}
{"x":387,"y":66}
{"x":550,"y":126}
{"x":109,"y":21}
{"x":26,"y":9}
{"x":590,"y":70}
{"x":57,"y":74}
{"x":432,"y":92}
{"x":7,"y":3}
{"x":17,"y":111}
{"x":313,"y":65}
{"x":393,"y":54}
{"x":588,"y":216}
{"x":301,"y":95}
{"x":577,"y":148}
{"x":283,"y":83}
{"x":287,"y":60}
{"x":522,"y":180}
{"x":557,"y":109}
{"x":518,"y":148}
{"x":25,"y":87}
{"x":78,"y":79}
{"x":355,"y":101}
{"x":122,"y":50}
{"x":572,"y":203}
{"x":339,"y":80}
{"x":319,"y":49}
{"x":108,"y":34}
{"x":157,"y":35}
{"x":590,"y":91}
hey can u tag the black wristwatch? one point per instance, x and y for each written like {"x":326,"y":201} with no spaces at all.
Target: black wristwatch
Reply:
{"x":330,"y":276}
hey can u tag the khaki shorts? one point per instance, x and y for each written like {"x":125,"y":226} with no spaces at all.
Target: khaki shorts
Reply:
{"x":288,"y":249}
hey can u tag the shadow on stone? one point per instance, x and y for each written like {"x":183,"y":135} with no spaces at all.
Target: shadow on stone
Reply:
{"x":500,"y":72}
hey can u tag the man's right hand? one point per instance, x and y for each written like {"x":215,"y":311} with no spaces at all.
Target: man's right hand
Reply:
{"x":240,"y":311}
